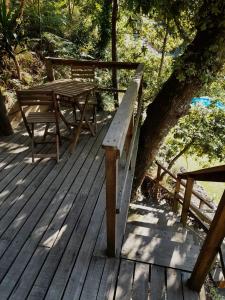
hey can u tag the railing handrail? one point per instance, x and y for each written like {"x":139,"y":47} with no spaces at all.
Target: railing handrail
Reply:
{"x":121,"y":137}
{"x":116,"y":135}
{"x":196,"y":194}
{"x":216,"y":174}
{"x":95,"y":63}
{"x":215,"y":231}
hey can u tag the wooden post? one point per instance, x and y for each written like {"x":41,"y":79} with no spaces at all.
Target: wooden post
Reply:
{"x":187,"y":200}
{"x":129,"y":136}
{"x":210,"y":248}
{"x":49,"y":70}
{"x":111,"y":159}
{"x":176,"y":192}
{"x":157,"y":182}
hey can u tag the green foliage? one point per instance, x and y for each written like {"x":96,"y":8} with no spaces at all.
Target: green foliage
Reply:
{"x":11,"y":35}
{"x":204,"y":129}
{"x":104,"y":24}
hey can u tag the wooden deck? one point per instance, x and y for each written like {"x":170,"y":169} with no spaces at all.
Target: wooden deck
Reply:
{"x":53,"y":232}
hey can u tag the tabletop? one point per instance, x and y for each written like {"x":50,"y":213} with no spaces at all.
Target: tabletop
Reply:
{"x":70,"y":91}
{"x":66,"y":87}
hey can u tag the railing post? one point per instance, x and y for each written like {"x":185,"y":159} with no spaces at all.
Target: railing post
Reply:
{"x":176,"y":192}
{"x":210,"y":248}
{"x":129,"y":136}
{"x":111,"y":159}
{"x":187,"y":200}
{"x":49,"y":70}
{"x":157,"y":182}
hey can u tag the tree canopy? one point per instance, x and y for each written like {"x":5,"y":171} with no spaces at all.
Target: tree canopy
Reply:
{"x":181,"y":43}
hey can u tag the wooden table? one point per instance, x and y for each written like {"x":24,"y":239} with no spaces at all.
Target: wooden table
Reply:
{"x":70,"y":92}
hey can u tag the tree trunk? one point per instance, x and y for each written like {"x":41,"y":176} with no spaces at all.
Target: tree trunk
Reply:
{"x":201,"y":61}
{"x":5,"y":126}
{"x":114,"y":48}
{"x":104,"y":29}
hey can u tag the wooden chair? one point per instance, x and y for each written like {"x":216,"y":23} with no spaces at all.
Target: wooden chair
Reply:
{"x":42,"y":100}
{"x":86,"y":74}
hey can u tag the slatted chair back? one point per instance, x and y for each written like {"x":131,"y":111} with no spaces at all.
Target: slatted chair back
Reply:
{"x":83,"y":73}
{"x":34,"y":98}
{"x":37,"y":98}
{"x":40,"y":99}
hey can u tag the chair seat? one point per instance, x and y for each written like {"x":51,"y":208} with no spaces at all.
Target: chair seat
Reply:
{"x":41,"y":117}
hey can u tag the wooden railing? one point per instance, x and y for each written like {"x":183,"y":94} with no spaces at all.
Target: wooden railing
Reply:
{"x":120,"y":138}
{"x":52,"y":62}
{"x":215,"y":232}
{"x":195,"y":210}
{"x":120,"y":143}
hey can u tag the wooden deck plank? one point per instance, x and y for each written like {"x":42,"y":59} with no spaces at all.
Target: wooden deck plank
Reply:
{"x":51,"y":263}
{"x":95,"y":155}
{"x":55,"y":253}
{"x":70,"y":178}
{"x":12,"y":170}
{"x":152,"y":250}
{"x":108,"y":281}
{"x":16,"y":184}
{"x":41,"y":188}
{"x":22,"y":287}
{"x":75,"y":218}
{"x":188,"y":294}
{"x":26,"y":186}
{"x":72,"y":268}
{"x":9,"y":145}
{"x":125,"y":280}
{"x":93,"y":278}
{"x":158,"y":283}
{"x":42,"y":198}
{"x":38,"y":191}
{"x":18,"y":204}
{"x":174,"y":284}
{"x":141,"y":282}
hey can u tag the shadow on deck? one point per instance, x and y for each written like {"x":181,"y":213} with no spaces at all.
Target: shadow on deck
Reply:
{"x":53,"y":231}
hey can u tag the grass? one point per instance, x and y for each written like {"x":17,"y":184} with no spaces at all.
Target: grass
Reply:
{"x":213,"y":189}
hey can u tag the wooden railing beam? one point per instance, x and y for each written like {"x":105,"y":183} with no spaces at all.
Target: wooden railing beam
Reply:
{"x":94,"y":63}
{"x":187,"y":200}
{"x":210,"y":248}
{"x":215,"y":174}
{"x":196,"y":194}
{"x":111,"y":169}
{"x":176,"y":193}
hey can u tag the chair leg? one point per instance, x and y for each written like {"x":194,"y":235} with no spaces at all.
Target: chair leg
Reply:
{"x":32,"y":141}
{"x":74,"y":114}
{"x":57,"y":148}
{"x":46,"y":131}
{"x":94,"y":119}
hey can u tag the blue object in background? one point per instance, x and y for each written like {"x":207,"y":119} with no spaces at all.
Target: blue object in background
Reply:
{"x":206,"y":101}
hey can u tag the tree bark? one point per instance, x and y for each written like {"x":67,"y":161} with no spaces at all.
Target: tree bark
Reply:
{"x":201,"y":61}
{"x":5,"y":126}
{"x":104,"y":29}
